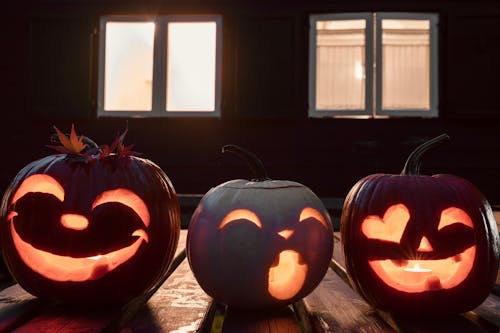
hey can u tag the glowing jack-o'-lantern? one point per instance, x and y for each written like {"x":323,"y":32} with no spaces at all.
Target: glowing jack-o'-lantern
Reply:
{"x":419,"y":245}
{"x":89,"y":225}
{"x":261,"y":243}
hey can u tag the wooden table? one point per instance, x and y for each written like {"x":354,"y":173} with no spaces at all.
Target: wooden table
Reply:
{"x":181,"y":306}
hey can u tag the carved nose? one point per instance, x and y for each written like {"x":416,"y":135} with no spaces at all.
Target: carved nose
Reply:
{"x":286,"y":233}
{"x":425,"y":245}
{"x":74,"y":221}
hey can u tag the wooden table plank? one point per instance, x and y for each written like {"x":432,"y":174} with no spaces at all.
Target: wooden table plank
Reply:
{"x":485,"y":318}
{"x":335,"y":307}
{"x":178,"y":306}
{"x":242,"y":321}
{"x":56,"y":317}
{"x":489,"y":311}
{"x":442,"y":324}
{"x":181,"y":306}
{"x":16,"y":306}
{"x":64,"y":319}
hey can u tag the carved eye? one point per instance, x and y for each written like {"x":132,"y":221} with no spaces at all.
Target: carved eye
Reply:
{"x":240,"y":214}
{"x":454,"y":215}
{"x":388,"y":228}
{"x":127,"y":198}
{"x":309,"y":212}
{"x":41,"y":184}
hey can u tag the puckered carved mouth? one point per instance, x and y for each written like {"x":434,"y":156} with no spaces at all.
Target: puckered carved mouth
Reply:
{"x":286,"y":278}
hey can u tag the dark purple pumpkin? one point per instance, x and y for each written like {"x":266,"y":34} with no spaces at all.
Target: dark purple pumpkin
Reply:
{"x":89,"y":227}
{"x":259,"y":243}
{"x":420,"y":245}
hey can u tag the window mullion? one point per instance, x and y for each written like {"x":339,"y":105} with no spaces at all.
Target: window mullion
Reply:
{"x":160,"y":67}
{"x":370,"y":81}
{"x":378,"y":64}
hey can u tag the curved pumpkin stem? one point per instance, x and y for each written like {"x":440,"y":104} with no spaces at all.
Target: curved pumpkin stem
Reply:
{"x":413,"y":162}
{"x":255,"y":164}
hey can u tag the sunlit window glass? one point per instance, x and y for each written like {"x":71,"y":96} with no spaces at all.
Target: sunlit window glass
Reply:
{"x":191,"y":66}
{"x":128,"y":66}
{"x":340,"y":64}
{"x":405,"y":64}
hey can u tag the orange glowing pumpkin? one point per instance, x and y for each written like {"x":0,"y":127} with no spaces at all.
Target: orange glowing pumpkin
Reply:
{"x":261,"y":243}
{"x":81,"y":226}
{"x":420,"y":245}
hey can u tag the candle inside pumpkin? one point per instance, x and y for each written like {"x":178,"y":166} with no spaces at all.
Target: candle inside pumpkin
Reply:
{"x":417,"y":269}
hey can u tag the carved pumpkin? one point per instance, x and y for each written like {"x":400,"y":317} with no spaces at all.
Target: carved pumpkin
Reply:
{"x":89,"y":226}
{"x":420,"y":245}
{"x":260,"y":243}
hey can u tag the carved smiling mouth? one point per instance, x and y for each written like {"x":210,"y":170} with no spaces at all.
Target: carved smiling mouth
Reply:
{"x":287,"y":277}
{"x":416,"y":276}
{"x":64,"y":268}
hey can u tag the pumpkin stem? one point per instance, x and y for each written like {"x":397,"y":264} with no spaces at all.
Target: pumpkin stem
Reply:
{"x":412,"y":165}
{"x":255,"y":164}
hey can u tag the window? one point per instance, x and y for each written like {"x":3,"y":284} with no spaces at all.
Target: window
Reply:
{"x":161,"y":67}
{"x":373,"y":65}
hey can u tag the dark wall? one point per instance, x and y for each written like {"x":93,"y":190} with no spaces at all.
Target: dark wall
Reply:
{"x":48,"y":62}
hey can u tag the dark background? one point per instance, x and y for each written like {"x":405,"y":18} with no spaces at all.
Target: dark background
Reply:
{"x":48,"y":62}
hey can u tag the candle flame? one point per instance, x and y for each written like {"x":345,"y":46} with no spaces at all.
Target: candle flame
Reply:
{"x":416,"y":268}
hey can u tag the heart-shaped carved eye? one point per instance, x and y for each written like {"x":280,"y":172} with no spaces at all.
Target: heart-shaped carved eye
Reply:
{"x":388,"y":228}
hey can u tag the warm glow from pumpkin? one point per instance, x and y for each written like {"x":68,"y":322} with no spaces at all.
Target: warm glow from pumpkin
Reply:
{"x":74,"y":221}
{"x":65,"y":268}
{"x":127,"y":198}
{"x":417,"y":269}
{"x":240,"y":214}
{"x":39,"y":183}
{"x":286,"y":279}
{"x":454,"y":215}
{"x":417,"y":276}
{"x":390,"y":227}
{"x":311,"y":212}
{"x":425,"y":245}
{"x":286,"y":233}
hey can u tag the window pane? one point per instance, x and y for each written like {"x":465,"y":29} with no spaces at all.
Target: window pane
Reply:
{"x":191,"y":66}
{"x":340,"y":64}
{"x":405,"y":64}
{"x":128,"y":66}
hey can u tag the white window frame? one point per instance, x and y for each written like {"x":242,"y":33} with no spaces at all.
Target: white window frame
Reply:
{"x":159,"y":85}
{"x":373,"y":56}
{"x":320,"y":113}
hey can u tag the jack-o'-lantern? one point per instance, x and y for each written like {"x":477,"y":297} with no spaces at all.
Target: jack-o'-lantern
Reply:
{"x":420,"y":245}
{"x":259,"y":243}
{"x":89,"y":224}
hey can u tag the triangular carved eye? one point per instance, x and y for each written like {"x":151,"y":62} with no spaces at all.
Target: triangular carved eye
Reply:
{"x":388,"y":228}
{"x":39,"y":183}
{"x":240,"y":214}
{"x":454,"y":215}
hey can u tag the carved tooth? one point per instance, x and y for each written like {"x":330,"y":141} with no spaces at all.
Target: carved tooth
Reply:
{"x":433,"y":283}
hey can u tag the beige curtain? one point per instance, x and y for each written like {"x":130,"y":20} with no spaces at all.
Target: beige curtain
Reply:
{"x":340,"y":69}
{"x":405,"y":69}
